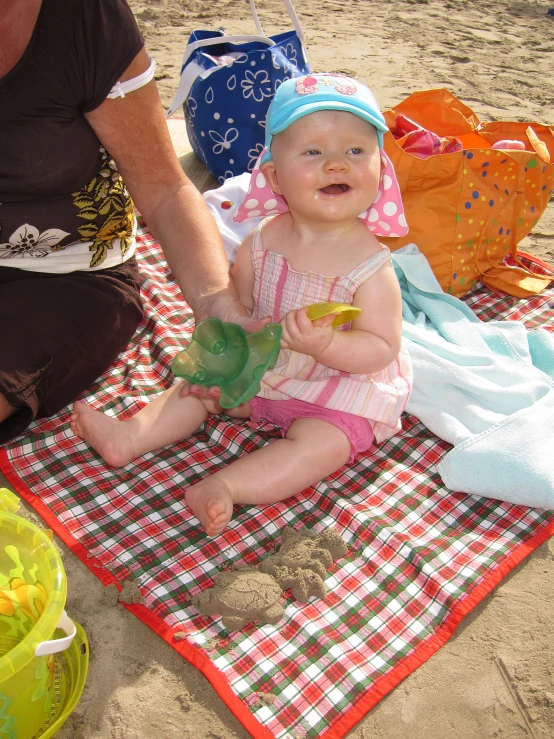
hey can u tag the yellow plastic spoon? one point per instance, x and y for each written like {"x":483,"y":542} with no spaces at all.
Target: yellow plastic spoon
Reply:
{"x":345,"y":312}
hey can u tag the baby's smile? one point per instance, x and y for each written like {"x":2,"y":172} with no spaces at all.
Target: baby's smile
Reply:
{"x":336,"y":189}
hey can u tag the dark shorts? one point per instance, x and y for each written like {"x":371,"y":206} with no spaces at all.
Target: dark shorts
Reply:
{"x":59,"y":333}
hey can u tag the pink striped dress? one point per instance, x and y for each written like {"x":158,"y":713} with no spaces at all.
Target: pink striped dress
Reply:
{"x":380,"y":397}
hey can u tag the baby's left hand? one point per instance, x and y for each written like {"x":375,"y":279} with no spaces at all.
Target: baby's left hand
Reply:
{"x":305,"y":336}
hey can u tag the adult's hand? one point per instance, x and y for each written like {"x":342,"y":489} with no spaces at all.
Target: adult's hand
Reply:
{"x":226,"y":306}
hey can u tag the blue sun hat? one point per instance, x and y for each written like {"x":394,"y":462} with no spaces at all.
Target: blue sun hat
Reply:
{"x":301,"y":96}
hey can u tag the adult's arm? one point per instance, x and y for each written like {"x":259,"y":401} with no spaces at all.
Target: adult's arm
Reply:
{"x":134,"y":131}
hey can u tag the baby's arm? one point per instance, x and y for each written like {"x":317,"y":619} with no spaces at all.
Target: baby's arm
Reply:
{"x":374,"y":339}
{"x":243,"y":273}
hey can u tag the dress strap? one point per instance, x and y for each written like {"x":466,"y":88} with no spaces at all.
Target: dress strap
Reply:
{"x":366,"y":269}
{"x":257,"y":246}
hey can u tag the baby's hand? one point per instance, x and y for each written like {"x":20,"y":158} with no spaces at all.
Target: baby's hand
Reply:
{"x":305,"y":336}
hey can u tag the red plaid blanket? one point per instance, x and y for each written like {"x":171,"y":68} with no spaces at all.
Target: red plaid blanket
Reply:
{"x":420,"y":557}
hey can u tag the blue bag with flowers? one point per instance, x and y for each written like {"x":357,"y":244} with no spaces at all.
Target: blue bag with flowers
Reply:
{"x":226,"y":86}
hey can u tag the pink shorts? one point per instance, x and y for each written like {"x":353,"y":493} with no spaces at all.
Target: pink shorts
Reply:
{"x":283,"y":412}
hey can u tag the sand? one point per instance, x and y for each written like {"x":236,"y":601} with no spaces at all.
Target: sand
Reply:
{"x":246,"y":594}
{"x":495,"y":677}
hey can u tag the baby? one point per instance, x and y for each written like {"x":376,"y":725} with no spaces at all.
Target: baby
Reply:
{"x":330,"y":189}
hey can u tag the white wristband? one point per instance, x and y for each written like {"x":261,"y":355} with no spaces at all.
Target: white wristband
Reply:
{"x":120,"y":89}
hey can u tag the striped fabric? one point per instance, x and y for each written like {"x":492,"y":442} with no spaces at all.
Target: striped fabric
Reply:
{"x":380,"y":397}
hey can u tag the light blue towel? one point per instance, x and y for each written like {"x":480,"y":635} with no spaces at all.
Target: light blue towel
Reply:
{"x":487,"y":388}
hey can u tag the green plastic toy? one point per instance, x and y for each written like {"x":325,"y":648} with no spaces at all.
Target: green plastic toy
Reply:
{"x":224,"y":354}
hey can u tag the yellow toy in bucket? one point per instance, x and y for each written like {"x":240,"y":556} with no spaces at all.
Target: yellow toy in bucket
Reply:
{"x":345,"y":313}
{"x":34,"y":629}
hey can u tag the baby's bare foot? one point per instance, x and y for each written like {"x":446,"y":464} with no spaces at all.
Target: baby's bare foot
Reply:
{"x":212,"y":504}
{"x":109,"y":437}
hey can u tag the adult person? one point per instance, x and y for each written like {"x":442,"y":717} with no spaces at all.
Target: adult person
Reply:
{"x":75,"y":153}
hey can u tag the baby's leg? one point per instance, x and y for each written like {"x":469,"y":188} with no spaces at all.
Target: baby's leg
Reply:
{"x":312,"y":450}
{"x":165,"y":420}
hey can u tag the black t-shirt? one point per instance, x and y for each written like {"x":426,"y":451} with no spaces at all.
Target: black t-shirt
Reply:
{"x":49,"y":155}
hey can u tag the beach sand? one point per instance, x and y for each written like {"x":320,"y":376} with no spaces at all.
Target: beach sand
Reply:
{"x":495,"y":677}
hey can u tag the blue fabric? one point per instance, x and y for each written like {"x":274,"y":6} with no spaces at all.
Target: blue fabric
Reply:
{"x":487,"y":388}
{"x":225,"y":111}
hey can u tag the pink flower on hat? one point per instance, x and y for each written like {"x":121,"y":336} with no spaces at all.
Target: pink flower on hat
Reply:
{"x":306,"y":85}
{"x":309,"y":84}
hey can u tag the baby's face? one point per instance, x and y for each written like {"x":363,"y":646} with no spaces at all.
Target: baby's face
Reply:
{"x":327,"y":165}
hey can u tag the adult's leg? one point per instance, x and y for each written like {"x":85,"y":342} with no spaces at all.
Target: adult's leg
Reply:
{"x":108,"y":321}
{"x":58,"y":334}
{"x":6,"y":409}
{"x":312,"y":450}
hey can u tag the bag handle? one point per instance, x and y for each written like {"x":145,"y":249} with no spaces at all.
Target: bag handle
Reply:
{"x":291,"y":13}
{"x":520,"y":281}
{"x":240,"y":39}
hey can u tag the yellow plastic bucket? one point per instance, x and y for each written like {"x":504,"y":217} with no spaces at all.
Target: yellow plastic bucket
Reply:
{"x":34,"y":629}
{"x":70,"y":673}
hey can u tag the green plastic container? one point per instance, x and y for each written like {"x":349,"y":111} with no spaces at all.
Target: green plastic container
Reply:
{"x":35,"y":683}
{"x":224,"y":354}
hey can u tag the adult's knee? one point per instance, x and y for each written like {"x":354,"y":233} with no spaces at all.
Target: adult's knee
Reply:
{"x":6,"y":409}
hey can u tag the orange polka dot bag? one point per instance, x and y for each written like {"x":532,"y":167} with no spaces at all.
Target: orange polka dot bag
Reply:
{"x":467,"y":210}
